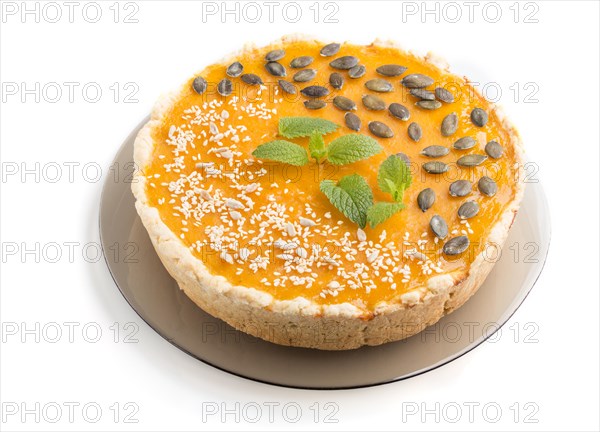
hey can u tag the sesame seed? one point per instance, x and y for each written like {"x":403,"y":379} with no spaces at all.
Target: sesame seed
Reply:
{"x":234,"y":204}
{"x":253,"y":187}
{"x":290,"y":229}
{"x":361,"y":235}
{"x":289,"y":246}
{"x":306,"y":222}
{"x":373,"y":256}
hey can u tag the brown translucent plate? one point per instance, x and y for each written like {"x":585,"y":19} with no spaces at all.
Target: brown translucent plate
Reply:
{"x":155,"y":296}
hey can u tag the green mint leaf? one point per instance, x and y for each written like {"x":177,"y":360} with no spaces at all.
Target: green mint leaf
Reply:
{"x":394,"y":177}
{"x":351,"y":148}
{"x":382,"y":211}
{"x":393,"y":188}
{"x":294,"y":127}
{"x":316,"y":145}
{"x":352,"y":196}
{"x":282,"y":151}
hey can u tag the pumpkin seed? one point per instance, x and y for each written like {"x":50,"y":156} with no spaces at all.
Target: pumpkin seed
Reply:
{"x":357,"y":71}
{"x":449,"y":124}
{"x":494,"y":150}
{"x":435,"y":151}
{"x":330,"y":49}
{"x":379,"y":85}
{"x":344,"y":63}
{"x":315,"y":91}
{"x":391,"y":70}
{"x":234,"y":70}
{"x":404,"y":157}
{"x":471,"y":160}
{"x":380,"y":129}
{"x":425,"y":199}
{"x":399,"y":111}
{"x":275,"y":55}
{"x":225,"y":87}
{"x":461,"y":188}
{"x":287,"y":87}
{"x":422,"y":94}
{"x":468,"y":210}
{"x":305,"y":75}
{"x":275,"y":69}
{"x":439,"y":226}
{"x":444,"y":95}
{"x":336,"y":80}
{"x":429,"y":105}
{"x":344,"y":103}
{"x":435,"y":167}
{"x":464,"y":143}
{"x":417,"y":81}
{"x":456,"y":245}
{"x":301,"y":62}
{"x":314,"y":104}
{"x":487,"y":186}
{"x":352,"y":121}
{"x":252,"y":79}
{"x":414,"y":132}
{"x":479,"y":117}
{"x":199,"y":85}
{"x":373,"y":103}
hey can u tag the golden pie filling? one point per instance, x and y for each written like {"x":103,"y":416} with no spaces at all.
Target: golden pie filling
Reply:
{"x":266,"y":224}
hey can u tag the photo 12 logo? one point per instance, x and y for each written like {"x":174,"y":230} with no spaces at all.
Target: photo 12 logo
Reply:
{"x":446,"y":331}
{"x":68,"y":172}
{"x":70,"y":12}
{"x":269,"y":412}
{"x":67,"y":252}
{"x":470,"y":12}
{"x":13,"y":412}
{"x":69,"y":92}
{"x":68,"y":332}
{"x":270,"y":12}
{"x":469,"y":412}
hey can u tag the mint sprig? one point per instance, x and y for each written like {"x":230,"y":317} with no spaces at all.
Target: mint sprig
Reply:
{"x":352,"y":196}
{"x":394,"y":177}
{"x":352,"y":148}
{"x":295,"y":127}
{"x":316,"y":146}
{"x":282,"y":151}
{"x":343,"y":150}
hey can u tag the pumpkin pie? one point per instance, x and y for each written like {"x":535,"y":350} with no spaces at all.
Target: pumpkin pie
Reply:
{"x":328,"y":195}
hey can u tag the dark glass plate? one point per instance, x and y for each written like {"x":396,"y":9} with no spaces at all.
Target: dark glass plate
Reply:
{"x":155,"y":296}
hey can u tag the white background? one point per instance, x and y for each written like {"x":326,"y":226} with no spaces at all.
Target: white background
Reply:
{"x":557,"y":374}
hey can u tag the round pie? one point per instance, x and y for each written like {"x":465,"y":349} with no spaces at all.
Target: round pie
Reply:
{"x":328,"y":195}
